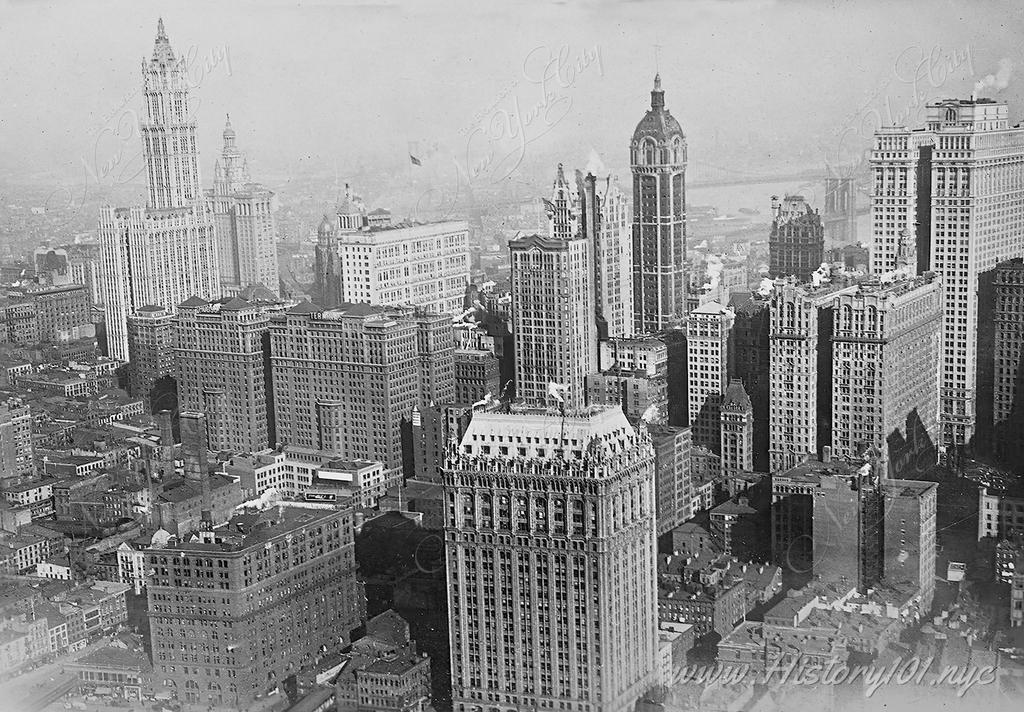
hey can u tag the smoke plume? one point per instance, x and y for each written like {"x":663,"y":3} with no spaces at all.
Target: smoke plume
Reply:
{"x":998,"y":81}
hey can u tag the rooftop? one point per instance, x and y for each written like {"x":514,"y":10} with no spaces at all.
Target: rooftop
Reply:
{"x":256,"y":528}
{"x":812,"y":470}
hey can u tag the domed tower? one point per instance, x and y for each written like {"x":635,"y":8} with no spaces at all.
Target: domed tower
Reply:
{"x":658,"y":162}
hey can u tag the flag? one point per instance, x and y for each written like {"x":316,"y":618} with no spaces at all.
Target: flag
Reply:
{"x":548,"y":206}
{"x":555,"y":390}
{"x":415,"y":161}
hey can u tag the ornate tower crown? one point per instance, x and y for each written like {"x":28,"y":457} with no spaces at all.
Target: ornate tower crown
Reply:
{"x":162,"y":51}
{"x":657,"y":94}
{"x":658,"y":129}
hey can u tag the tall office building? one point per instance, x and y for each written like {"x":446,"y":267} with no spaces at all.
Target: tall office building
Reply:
{"x":737,"y":432}
{"x":886,"y":344}
{"x":801,"y":372}
{"x":796,"y":246}
{"x":573,"y":205}
{"x":346,"y":380}
{"x":909,"y":541}
{"x":554,"y":324}
{"x":658,"y":162}
{"x":577,"y":208}
{"x":47,"y":314}
{"x":236,"y":613}
{"x":166,"y":252}
{"x":673,"y":485}
{"x":550,"y":545}
{"x":243,"y":221}
{"x":750,"y":361}
{"x":150,"y":351}
{"x":1007,"y":362}
{"x":957,"y":184}
{"x":707,"y":351}
{"x":844,"y":521}
{"x":222,"y":349}
{"x":848,"y":526}
{"x":614,"y":253}
{"x":362,"y":257}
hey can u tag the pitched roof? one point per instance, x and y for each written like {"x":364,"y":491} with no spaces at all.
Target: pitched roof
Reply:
{"x":235,"y":304}
{"x":193,"y":302}
{"x":736,"y":397}
{"x":305,"y":308}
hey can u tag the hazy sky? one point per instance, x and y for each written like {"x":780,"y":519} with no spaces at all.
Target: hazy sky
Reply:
{"x":316,"y":84}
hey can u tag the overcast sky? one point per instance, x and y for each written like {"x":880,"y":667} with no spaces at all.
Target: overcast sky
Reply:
{"x":318,"y":84}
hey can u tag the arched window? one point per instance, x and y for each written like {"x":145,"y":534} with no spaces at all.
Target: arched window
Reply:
{"x":650,"y":152}
{"x":951,"y":115}
{"x":677,"y":150}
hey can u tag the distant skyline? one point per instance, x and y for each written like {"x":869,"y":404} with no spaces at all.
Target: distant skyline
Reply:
{"x":322,"y":87}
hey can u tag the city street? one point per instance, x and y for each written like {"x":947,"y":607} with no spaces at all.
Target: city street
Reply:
{"x":35,"y":683}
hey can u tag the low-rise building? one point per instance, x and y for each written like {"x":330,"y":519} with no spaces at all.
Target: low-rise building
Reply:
{"x":384,"y":672}
{"x":309,"y":475}
{"x":712,"y":593}
{"x":1000,"y":513}
{"x":121,"y":669}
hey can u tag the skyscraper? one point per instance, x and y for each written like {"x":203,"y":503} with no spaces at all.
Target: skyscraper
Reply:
{"x":554,"y":322}
{"x":750,"y":361}
{"x":801,"y":372}
{"x":796,"y":246}
{"x":346,"y":379}
{"x":550,"y":544}
{"x":957,"y":184}
{"x":614,"y":255}
{"x":362,"y":257}
{"x":658,"y":161}
{"x":737,"y":431}
{"x":166,"y":252}
{"x":575,"y":206}
{"x":1008,"y":362}
{"x":222,"y":349}
{"x":847,"y":526}
{"x":243,"y":214}
{"x":150,"y":351}
{"x":886,"y":341}
{"x":909,"y":544}
{"x":673,"y":485}
{"x":707,"y":350}
{"x":249,"y":636}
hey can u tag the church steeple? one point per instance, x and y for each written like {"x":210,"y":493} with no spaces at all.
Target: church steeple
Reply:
{"x":657,"y":95}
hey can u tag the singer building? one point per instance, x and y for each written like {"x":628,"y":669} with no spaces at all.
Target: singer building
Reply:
{"x":550,"y":538}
